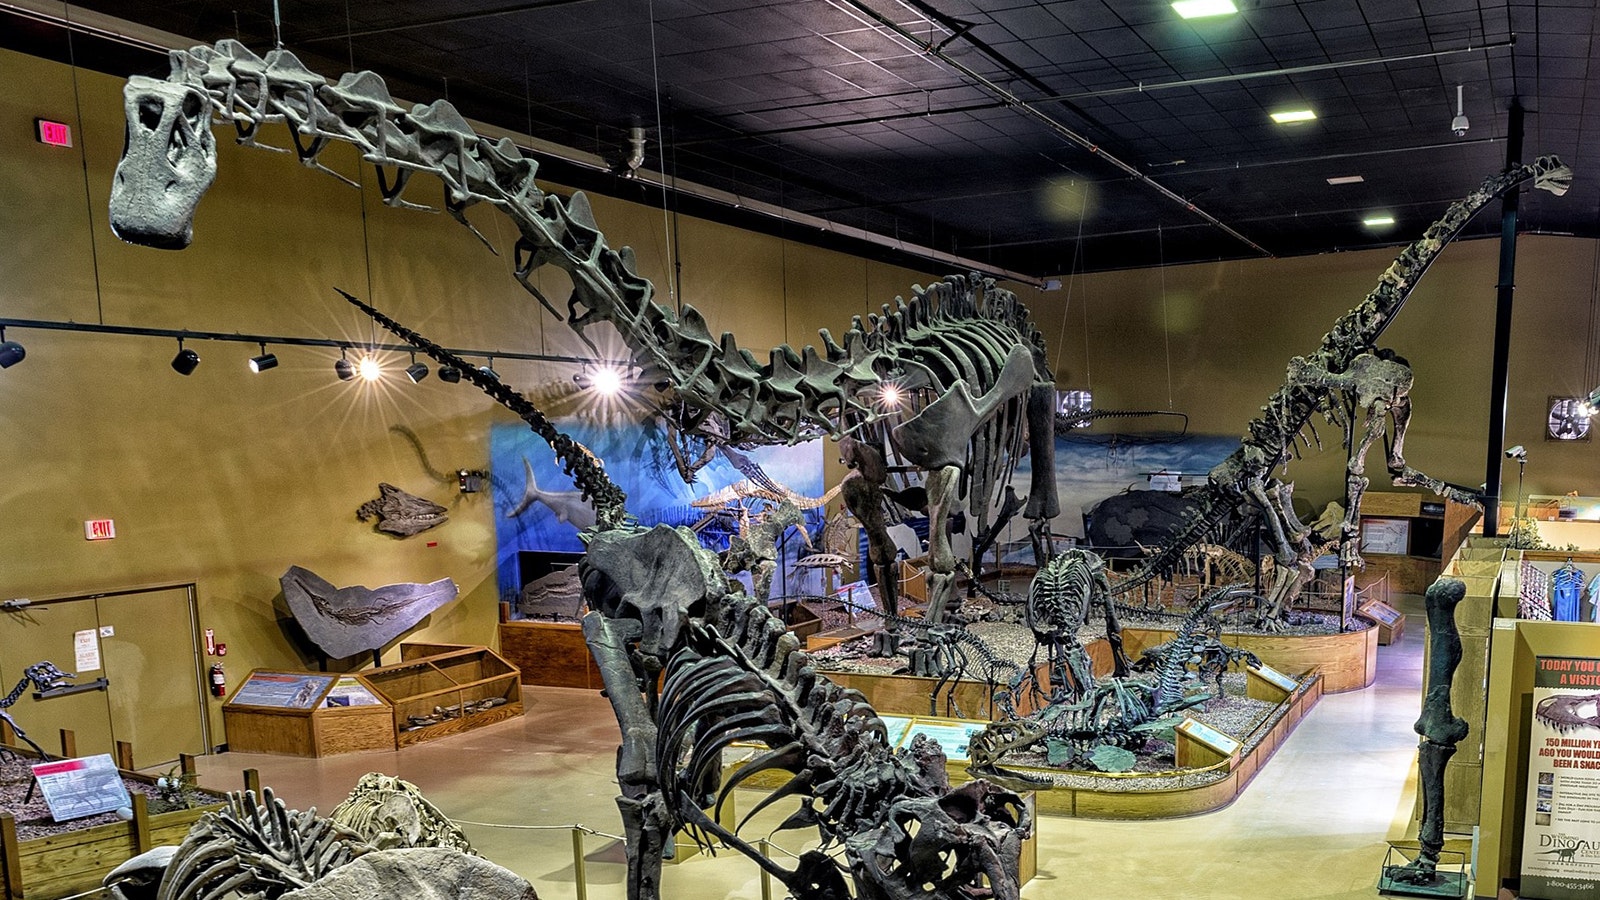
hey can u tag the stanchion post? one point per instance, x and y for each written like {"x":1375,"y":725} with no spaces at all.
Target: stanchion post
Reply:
{"x":766,"y":877}
{"x":579,"y":876}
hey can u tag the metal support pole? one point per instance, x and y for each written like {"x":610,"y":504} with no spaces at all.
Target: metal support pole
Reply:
{"x":1499,"y":379}
{"x":579,"y":876}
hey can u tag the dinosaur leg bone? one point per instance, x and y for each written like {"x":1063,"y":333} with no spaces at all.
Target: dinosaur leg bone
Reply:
{"x":942,"y":485}
{"x":1356,"y":482}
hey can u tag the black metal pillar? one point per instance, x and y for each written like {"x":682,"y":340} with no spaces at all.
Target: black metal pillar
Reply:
{"x":1499,"y":378}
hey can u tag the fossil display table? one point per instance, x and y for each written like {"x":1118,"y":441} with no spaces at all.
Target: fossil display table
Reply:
{"x":443,"y":689}
{"x":307,"y":714}
{"x":1346,"y":662}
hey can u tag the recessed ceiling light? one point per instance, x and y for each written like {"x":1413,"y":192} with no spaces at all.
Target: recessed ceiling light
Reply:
{"x":1196,"y":9}
{"x":1346,"y":179}
{"x":1290,"y":116}
{"x":1378,"y":221}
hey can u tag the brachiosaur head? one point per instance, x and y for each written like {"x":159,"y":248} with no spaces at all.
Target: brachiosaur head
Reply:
{"x":168,"y":161}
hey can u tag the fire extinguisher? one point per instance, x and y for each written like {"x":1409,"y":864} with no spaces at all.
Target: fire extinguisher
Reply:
{"x":219,"y":680}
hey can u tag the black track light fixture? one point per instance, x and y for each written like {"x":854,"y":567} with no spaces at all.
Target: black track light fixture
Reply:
{"x":449,"y":374}
{"x":186,"y":361}
{"x":263,"y":362}
{"x":11,"y":352}
{"x":344,"y":368}
{"x":488,"y":369}
{"x":416,"y":371}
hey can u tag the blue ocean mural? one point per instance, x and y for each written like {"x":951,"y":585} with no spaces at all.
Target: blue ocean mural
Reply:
{"x":537,"y":507}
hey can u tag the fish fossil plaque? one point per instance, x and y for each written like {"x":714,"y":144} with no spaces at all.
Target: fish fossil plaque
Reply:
{"x":344,"y":621}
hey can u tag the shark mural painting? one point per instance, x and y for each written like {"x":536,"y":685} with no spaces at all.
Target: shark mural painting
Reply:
{"x":536,"y":508}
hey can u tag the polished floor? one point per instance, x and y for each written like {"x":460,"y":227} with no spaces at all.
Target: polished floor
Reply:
{"x":1314,"y":824}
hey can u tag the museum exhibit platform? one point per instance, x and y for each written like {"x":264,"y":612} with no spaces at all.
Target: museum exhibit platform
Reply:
{"x":71,"y":861}
{"x":1347,"y":661}
{"x":434,"y":691}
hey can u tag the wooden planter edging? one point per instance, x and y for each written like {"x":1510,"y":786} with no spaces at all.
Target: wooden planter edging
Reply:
{"x":64,"y":864}
{"x":1346,"y":662}
{"x":909,"y":695}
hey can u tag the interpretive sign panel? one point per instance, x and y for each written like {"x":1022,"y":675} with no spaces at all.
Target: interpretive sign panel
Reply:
{"x":898,"y":726}
{"x":1205,"y":734}
{"x":1561,"y":837}
{"x":74,"y":788}
{"x":351,"y":692}
{"x":283,"y":690}
{"x":953,"y":737}
{"x":1274,"y":676}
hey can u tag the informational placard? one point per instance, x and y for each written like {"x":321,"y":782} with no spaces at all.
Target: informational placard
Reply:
{"x":855,"y":596}
{"x":1165,"y":481}
{"x":897,"y":725}
{"x":74,"y":788}
{"x":86,"y":650}
{"x":1380,"y":611}
{"x":1561,"y":837}
{"x":1272,"y":675}
{"x":1205,"y":734}
{"x":351,"y":692}
{"x":1385,"y":535}
{"x":283,"y":690}
{"x":952,"y":737}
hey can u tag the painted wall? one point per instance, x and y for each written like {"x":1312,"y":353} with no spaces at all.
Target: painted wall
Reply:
{"x":227,"y":478}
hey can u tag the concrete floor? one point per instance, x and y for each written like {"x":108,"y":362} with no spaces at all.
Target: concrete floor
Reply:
{"x":1312,"y":825}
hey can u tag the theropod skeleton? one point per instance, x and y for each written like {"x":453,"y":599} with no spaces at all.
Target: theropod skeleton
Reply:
{"x":1346,"y":377}
{"x":689,"y":664}
{"x":948,"y":384}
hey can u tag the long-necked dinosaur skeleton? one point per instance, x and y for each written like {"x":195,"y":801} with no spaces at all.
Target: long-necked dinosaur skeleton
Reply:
{"x":1346,"y":377}
{"x":949,"y":383}
{"x":962,"y":352}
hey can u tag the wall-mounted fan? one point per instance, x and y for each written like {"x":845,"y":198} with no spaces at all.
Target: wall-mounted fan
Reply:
{"x":1568,"y":419}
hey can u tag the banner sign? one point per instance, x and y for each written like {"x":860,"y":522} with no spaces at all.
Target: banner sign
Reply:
{"x":1561,"y":839}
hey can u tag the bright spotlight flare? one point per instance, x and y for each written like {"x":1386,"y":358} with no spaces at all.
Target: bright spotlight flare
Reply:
{"x":369,"y":369}
{"x":890,"y":396}
{"x":606,"y":381}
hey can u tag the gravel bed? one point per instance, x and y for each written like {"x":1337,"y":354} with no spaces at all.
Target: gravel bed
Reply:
{"x":33,"y":817}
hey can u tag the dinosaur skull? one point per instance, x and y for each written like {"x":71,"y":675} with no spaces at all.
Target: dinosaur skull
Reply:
{"x":965,"y":843}
{"x":168,"y":162}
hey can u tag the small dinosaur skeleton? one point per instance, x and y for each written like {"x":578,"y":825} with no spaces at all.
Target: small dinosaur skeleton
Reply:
{"x":43,"y":676}
{"x":400,"y":513}
{"x":1119,"y":712}
{"x":949,"y":382}
{"x":1059,"y":600}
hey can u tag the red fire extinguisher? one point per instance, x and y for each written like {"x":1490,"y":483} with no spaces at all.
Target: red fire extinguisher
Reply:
{"x":219,"y":680}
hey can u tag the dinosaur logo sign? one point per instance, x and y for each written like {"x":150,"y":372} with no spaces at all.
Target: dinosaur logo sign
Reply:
{"x":1561,"y":847}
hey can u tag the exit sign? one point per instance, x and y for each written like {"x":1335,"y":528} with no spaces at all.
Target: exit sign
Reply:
{"x":56,"y":134}
{"x":99,"y":529}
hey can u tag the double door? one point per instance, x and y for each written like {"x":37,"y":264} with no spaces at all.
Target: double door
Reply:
{"x":143,"y":641}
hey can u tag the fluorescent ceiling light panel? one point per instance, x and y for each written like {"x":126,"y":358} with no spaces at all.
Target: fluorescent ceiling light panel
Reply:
{"x":1197,"y":9}
{"x":1289,"y":116}
{"x":1346,"y":179}
{"x":1378,"y":221}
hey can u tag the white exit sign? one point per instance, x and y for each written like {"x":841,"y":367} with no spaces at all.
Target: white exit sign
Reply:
{"x":99,"y":529}
{"x":56,"y":134}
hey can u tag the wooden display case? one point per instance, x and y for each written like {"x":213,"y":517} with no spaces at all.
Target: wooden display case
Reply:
{"x":444,"y":689}
{"x":307,"y":714}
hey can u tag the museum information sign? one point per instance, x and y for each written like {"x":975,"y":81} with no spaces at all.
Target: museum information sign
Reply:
{"x":74,"y":788}
{"x":1561,"y":837}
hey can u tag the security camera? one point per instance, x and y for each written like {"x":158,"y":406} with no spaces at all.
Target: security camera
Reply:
{"x":1518,"y":452}
{"x":1459,"y":123}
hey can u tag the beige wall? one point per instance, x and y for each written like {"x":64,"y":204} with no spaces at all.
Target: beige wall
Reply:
{"x":227,"y":478}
